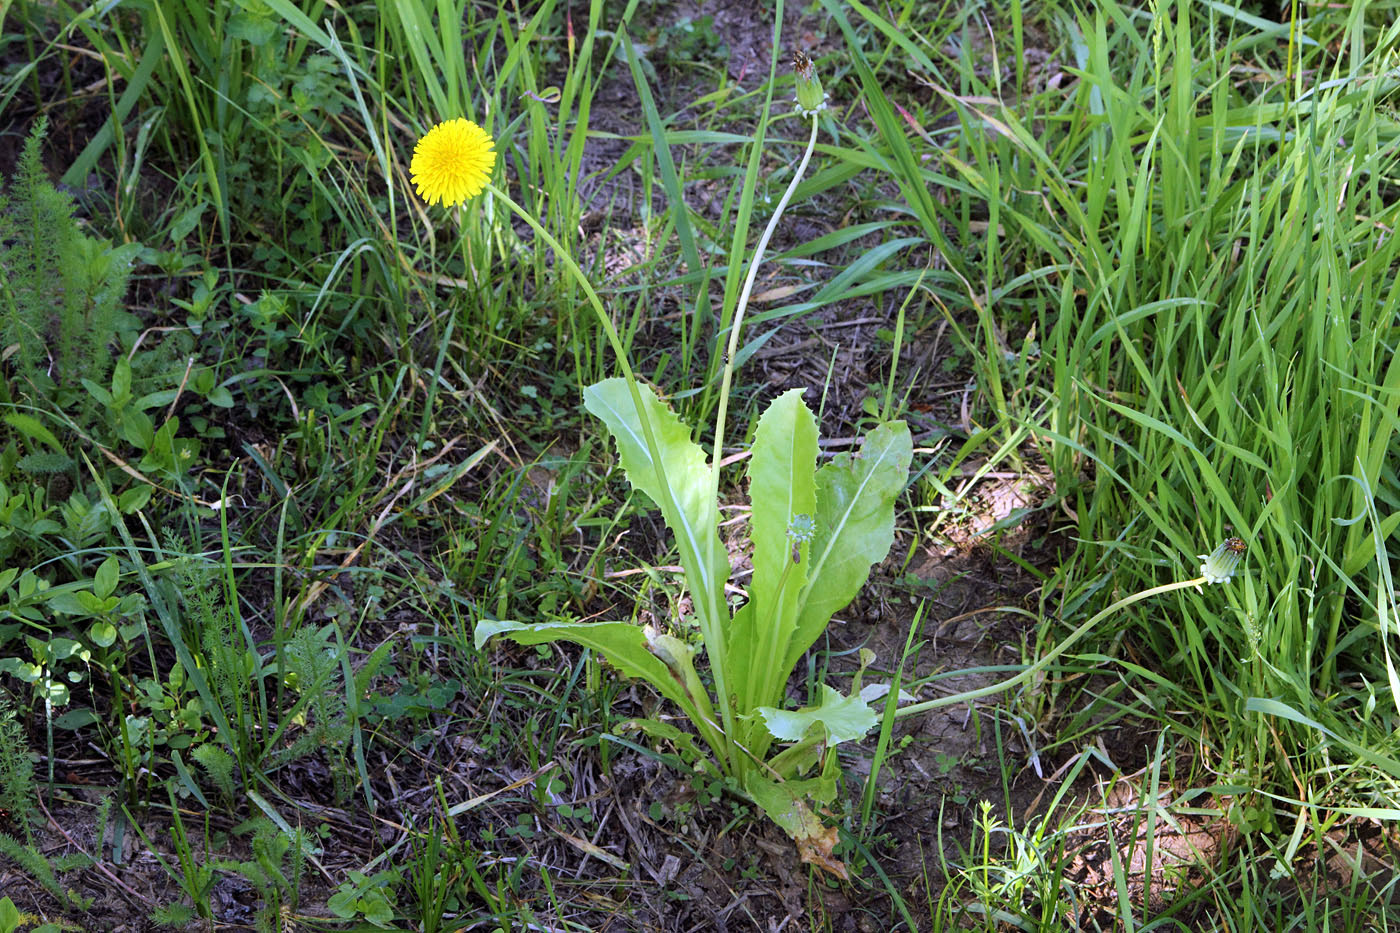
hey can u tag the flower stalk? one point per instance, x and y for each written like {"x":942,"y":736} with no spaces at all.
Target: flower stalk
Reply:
{"x":736,"y":327}
{"x":451,"y":164}
{"x":1224,"y":558}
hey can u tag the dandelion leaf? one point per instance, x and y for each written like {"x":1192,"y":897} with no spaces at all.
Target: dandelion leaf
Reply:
{"x":782,"y":485}
{"x":845,"y":719}
{"x":854,"y":528}
{"x":623,"y":644}
{"x":786,"y":804}
{"x":679,"y":484}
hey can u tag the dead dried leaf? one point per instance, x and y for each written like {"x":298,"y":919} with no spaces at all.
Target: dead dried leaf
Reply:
{"x":817,"y":850}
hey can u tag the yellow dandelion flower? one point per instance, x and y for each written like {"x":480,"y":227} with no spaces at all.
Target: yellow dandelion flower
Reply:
{"x":452,"y":162}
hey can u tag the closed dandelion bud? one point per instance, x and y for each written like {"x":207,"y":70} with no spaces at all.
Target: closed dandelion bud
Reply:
{"x":811,"y":98}
{"x":1220,"y":563}
{"x":801,"y":529}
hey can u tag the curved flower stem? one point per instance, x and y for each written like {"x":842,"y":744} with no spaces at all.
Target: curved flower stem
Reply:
{"x":710,"y":615}
{"x":1044,"y":662}
{"x":736,"y":325}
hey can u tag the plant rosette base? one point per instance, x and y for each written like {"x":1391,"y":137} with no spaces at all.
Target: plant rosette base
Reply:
{"x":816,"y":534}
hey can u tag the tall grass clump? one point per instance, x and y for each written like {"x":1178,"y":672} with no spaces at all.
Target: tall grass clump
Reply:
{"x":1200,"y":232}
{"x":1230,"y":367}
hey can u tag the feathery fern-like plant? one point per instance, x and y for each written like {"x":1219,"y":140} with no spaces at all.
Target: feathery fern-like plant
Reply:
{"x":35,"y":219}
{"x":59,"y":289}
{"x":314,"y":663}
{"x":45,"y":872}
{"x":16,"y":771}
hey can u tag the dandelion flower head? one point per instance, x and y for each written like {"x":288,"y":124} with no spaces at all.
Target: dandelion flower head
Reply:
{"x":810,"y":99}
{"x":452,"y":162}
{"x":1220,"y":564}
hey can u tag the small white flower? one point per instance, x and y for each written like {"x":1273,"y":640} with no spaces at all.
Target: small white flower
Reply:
{"x":1220,"y":564}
